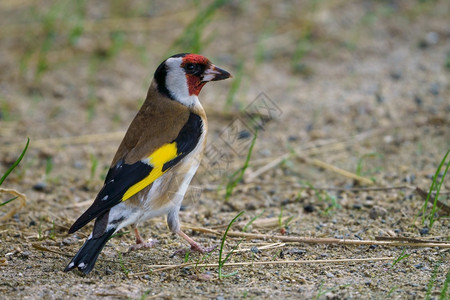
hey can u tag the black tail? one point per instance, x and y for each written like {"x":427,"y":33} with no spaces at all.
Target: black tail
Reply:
{"x":86,"y":257}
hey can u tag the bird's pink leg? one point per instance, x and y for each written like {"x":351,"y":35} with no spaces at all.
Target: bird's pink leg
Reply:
{"x":140,"y":242}
{"x":194,"y":245}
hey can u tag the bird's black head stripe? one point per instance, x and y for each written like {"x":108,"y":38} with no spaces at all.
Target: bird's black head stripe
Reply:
{"x":160,"y":76}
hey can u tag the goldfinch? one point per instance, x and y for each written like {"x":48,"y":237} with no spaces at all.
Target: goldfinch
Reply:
{"x":156,"y":160}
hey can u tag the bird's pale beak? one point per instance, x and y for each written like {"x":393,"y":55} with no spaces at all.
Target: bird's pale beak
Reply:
{"x":214,"y":73}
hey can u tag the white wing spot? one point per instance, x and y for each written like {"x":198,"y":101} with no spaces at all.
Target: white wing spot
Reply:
{"x":105,"y":198}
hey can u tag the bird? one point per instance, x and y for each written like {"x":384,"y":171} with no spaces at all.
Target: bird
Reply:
{"x":156,"y":160}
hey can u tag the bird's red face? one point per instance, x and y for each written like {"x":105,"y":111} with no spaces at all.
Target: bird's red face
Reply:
{"x":199,"y":70}
{"x":181,"y":77}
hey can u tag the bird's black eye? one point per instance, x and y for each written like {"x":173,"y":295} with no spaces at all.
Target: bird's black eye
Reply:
{"x":192,"y":68}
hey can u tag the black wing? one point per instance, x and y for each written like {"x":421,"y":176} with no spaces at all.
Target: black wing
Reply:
{"x":125,"y":180}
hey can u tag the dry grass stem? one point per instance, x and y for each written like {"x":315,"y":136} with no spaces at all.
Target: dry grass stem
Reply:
{"x":14,"y":208}
{"x":329,"y":167}
{"x":160,"y":268}
{"x":313,"y":161}
{"x":440,"y":204}
{"x":308,"y":240}
{"x":406,"y":239}
{"x":265,"y":247}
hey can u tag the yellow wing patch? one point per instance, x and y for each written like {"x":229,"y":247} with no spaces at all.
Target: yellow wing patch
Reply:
{"x":157,"y":160}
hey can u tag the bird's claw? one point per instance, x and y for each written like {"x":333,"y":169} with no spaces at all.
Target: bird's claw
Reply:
{"x":151,"y":243}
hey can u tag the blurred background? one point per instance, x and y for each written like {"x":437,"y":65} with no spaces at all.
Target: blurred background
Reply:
{"x":333,"y":68}
{"x":359,"y":85}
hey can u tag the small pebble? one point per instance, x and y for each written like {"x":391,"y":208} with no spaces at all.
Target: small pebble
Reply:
{"x":244,"y":134}
{"x":329,"y":275}
{"x":434,"y":89}
{"x":410,"y":178}
{"x":69,"y":241}
{"x":78,"y":165}
{"x":379,"y":98}
{"x":357,"y":206}
{"x":396,"y":75}
{"x":309,"y":208}
{"x":40,"y":186}
{"x":296,"y":251}
{"x":251,"y":205}
{"x":424,"y":231}
{"x":108,"y":271}
{"x":377,"y":211}
{"x":418,"y":100}
{"x":162,"y":276}
{"x":418,"y":266}
{"x":409,"y":197}
{"x":285,"y":202}
{"x":255,"y":250}
{"x":368,"y":203}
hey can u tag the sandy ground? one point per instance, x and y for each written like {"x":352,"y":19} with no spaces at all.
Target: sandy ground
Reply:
{"x":358,"y":85}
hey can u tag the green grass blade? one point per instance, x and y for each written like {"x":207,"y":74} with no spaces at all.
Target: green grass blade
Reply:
{"x":432,"y":281}
{"x":437,"y":187}
{"x":191,"y":38}
{"x":444,"y":291}
{"x":119,"y":234}
{"x":16,"y":163}
{"x":240,"y":173}
{"x":122,"y":264}
{"x":401,"y":257}
{"x":244,"y":229}
{"x":7,"y":201}
{"x":222,"y":244}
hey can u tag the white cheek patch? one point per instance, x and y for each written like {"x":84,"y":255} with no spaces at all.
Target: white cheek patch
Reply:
{"x":176,"y":82}
{"x":176,"y":78}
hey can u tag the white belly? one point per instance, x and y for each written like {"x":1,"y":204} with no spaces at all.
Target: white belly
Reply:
{"x":132,"y":214}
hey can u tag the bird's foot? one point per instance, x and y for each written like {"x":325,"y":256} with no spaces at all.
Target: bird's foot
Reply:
{"x":151,"y":243}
